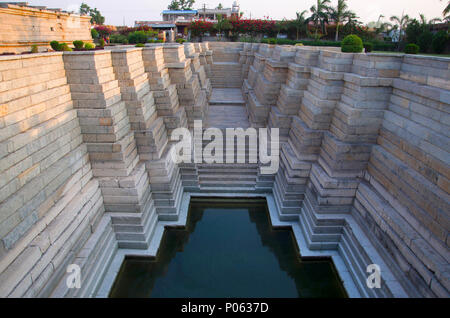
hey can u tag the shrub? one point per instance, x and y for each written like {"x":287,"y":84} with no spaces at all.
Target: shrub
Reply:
{"x":89,"y":46}
{"x":54,"y":45}
{"x":125,"y":41}
{"x":101,"y":43}
{"x":140,"y":45}
{"x":117,"y":38}
{"x":78,"y":44}
{"x":94,"y":34}
{"x":159,"y":41}
{"x":299,"y":44}
{"x":138,"y":37}
{"x":34,"y":49}
{"x":368,"y":46}
{"x":439,"y":42}
{"x":64,"y":47}
{"x":181,"y":41}
{"x":383,"y":46}
{"x":424,"y":41}
{"x":321,"y":43}
{"x":412,"y":48}
{"x":352,"y":44}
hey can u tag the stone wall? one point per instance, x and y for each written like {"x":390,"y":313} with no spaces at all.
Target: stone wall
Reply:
{"x":85,"y":161}
{"x":367,"y":151}
{"x":51,"y":206}
{"x":24,"y":26}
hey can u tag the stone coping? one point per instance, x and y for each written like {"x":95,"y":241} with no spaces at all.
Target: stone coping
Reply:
{"x":36,"y":9}
{"x":28,"y":56}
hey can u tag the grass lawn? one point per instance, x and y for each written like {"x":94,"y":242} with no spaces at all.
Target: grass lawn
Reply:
{"x":390,"y":52}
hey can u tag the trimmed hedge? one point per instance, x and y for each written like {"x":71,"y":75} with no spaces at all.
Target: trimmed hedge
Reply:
{"x":54,"y":45}
{"x":64,"y":47}
{"x":376,"y":45}
{"x":368,"y":47}
{"x":78,"y":44}
{"x":412,"y":48}
{"x":89,"y":46}
{"x":292,"y":42}
{"x":352,"y":44}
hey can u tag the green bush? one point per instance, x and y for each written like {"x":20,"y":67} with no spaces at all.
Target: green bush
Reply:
{"x":101,"y":43}
{"x":352,"y":44}
{"x":140,"y":45}
{"x":54,"y":45}
{"x":181,"y":41}
{"x":118,"y":38}
{"x":424,"y":41}
{"x":89,"y":46}
{"x":321,"y":43}
{"x":64,"y":47}
{"x":412,"y":48}
{"x":368,"y":47}
{"x":138,"y":37}
{"x":439,"y":42}
{"x":125,"y":41}
{"x":94,"y":34}
{"x":159,"y":41}
{"x":383,"y":46}
{"x":34,"y":49}
{"x":78,"y":44}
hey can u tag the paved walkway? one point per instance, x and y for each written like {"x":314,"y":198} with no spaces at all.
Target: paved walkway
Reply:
{"x":227,"y":109}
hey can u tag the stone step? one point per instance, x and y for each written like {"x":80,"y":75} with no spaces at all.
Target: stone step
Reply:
{"x":226,"y":177}
{"x":226,"y":184}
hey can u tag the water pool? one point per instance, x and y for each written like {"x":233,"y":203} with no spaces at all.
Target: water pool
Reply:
{"x":227,"y":249}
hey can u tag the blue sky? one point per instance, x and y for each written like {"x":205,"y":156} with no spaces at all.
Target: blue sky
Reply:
{"x":116,"y":11}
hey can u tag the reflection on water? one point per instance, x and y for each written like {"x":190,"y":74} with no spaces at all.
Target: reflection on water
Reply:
{"x":228,"y":249}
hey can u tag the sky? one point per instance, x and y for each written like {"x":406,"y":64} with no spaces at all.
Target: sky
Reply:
{"x":118,"y":11}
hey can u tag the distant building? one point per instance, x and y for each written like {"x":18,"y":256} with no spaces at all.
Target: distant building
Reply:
{"x":174,"y":15}
{"x":179,"y":20}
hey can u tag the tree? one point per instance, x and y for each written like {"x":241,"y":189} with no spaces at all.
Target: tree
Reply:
{"x":352,"y":21}
{"x":338,"y":14}
{"x":219,"y":7}
{"x":174,"y":5}
{"x":181,"y":5}
{"x":401,"y":22}
{"x":446,"y":10}
{"x":426,"y":22}
{"x":319,"y":15}
{"x":222,"y":25}
{"x":300,"y":23}
{"x":96,"y":16}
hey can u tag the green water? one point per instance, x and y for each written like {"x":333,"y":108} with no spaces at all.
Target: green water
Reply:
{"x":227,"y":250}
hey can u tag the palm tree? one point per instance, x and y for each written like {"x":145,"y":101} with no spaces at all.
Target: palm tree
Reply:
{"x":401,"y":22}
{"x":352,"y":20}
{"x":446,"y":10}
{"x":425,"y":22}
{"x":299,"y":23}
{"x":319,"y":14}
{"x":338,"y":14}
